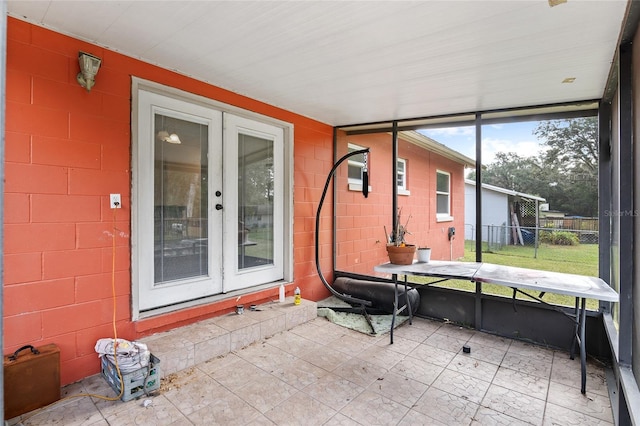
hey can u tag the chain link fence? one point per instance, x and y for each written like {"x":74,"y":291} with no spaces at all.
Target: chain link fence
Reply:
{"x":495,"y":237}
{"x":527,"y":226}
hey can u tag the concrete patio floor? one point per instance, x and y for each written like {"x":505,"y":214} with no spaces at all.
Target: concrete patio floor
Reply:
{"x":318,"y":373}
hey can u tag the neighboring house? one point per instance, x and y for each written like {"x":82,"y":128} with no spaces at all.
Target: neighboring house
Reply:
{"x":551,"y":214}
{"x":430,"y":182}
{"x":503,"y":212}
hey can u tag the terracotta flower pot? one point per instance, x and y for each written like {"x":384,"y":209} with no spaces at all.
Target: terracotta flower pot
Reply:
{"x":399,"y":255}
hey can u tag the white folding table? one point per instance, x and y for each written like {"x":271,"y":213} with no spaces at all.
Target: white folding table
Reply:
{"x":579,"y":286}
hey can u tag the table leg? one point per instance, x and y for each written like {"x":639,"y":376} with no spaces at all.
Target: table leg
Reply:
{"x":576,"y":330}
{"x":407,"y":302}
{"x":395,"y":306}
{"x":579,"y":337}
{"x":583,"y":345}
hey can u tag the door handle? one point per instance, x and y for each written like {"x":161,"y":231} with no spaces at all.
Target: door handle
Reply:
{"x":218,"y":206}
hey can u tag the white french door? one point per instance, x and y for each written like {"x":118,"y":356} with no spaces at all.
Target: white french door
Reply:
{"x":209,"y":199}
{"x":253,"y":212}
{"x":180,"y":169}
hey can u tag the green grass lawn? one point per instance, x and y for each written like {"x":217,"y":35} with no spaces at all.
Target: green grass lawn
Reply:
{"x":581,"y":259}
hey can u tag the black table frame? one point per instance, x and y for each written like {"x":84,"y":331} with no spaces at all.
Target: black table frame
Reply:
{"x":578,"y":317}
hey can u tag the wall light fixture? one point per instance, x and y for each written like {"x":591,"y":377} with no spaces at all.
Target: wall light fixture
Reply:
{"x":89,"y":66}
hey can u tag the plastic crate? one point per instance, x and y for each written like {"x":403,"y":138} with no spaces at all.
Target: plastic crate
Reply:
{"x":136,"y":383}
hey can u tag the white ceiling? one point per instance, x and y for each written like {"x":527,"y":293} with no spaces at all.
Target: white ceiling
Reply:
{"x":363,"y":61}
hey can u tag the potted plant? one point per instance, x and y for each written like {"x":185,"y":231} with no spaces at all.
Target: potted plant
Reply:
{"x":399,"y":251}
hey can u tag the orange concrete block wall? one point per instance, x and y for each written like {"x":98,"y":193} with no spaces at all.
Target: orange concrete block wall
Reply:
{"x":361,"y":222}
{"x":66,"y":150}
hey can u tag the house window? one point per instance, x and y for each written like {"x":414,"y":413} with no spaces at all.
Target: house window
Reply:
{"x":401,"y":166}
{"x":356,"y":164}
{"x":443,"y":196}
{"x":206,"y":220}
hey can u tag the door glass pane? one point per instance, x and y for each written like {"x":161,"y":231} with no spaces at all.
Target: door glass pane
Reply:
{"x":180,"y":199}
{"x":255,"y":201}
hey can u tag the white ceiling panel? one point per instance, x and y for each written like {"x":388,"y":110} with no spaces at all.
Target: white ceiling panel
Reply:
{"x":362,"y":61}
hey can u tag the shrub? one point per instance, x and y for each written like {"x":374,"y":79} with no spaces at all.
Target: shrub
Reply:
{"x":559,"y":238}
{"x":546,"y":237}
{"x":564,"y":238}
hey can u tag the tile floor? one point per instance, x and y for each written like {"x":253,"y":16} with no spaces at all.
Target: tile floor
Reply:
{"x":318,"y":373}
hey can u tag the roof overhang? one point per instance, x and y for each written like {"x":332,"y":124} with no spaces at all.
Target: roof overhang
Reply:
{"x":505,"y":191}
{"x":429,"y":144}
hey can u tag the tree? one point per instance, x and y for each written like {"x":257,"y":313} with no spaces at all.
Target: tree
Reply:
{"x":565,"y":172}
{"x":571,"y":148}
{"x":571,"y":144}
{"x":511,"y":171}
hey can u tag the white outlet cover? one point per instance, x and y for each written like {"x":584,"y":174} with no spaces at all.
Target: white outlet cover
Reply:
{"x":114,"y":201}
